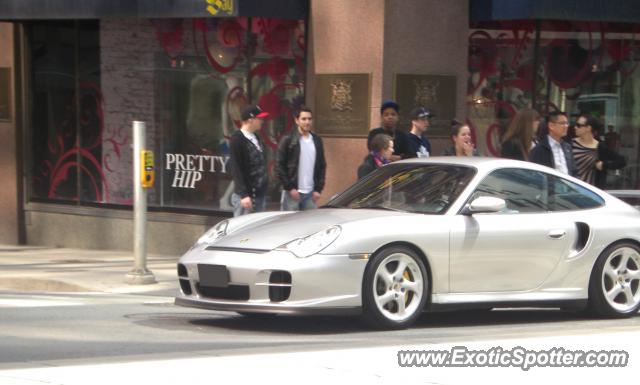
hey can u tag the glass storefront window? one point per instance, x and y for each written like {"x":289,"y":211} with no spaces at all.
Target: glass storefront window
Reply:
{"x":188,"y":79}
{"x":576,"y":67}
{"x":66,"y":157}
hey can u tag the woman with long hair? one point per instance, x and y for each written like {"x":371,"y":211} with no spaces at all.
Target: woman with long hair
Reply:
{"x":518,"y":140}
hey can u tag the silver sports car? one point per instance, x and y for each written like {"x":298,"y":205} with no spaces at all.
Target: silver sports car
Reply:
{"x":427,"y":235}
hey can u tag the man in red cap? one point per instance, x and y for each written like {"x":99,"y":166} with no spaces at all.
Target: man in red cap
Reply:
{"x":248,"y":163}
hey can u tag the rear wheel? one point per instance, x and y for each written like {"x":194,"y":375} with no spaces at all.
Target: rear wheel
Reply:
{"x":395,"y":288}
{"x":614,"y":288}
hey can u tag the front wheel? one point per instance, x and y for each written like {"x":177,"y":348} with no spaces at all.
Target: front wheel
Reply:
{"x":614,"y":288}
{"x":395,"y":288}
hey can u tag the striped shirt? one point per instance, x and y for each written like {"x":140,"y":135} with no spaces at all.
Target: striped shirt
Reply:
{"x":585,"y":159}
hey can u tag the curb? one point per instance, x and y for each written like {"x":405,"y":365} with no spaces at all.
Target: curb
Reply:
{"x":39,"y":285}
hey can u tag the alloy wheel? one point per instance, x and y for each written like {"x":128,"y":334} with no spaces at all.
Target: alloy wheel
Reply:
{"x":620,"y":281}
{"x":398,"y":287}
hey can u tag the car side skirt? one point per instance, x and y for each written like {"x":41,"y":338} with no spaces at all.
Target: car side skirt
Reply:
{"x":575,"y":304}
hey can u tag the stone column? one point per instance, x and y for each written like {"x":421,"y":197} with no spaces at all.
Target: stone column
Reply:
{"x":9,"y":198}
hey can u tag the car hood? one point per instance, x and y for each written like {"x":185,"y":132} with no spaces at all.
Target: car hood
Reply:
{"x":277,"y":231}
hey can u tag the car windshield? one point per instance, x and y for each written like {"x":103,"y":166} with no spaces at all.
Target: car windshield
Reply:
{"x":416,"y":188}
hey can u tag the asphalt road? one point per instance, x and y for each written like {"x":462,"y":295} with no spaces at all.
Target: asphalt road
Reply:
{"x":39,"y":328}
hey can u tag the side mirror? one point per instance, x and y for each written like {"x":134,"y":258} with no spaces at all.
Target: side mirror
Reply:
{"x":484,"y":205}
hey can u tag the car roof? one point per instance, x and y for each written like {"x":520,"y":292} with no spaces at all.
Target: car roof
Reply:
{"x":625,"y":193}
{"x":482,"y":163}
{"x":486,"y":165}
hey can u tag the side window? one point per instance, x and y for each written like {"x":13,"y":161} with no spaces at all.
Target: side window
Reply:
{"x":566,"y":195}
{"x":524,"y":191}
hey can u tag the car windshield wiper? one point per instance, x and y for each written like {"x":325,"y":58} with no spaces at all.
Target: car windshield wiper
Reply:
{"x":380,"y":208}
{"x":331,"y":207}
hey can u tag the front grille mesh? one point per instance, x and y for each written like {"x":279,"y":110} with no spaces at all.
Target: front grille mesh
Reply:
{"x":279,"y":285}
{"x":185,"y":286}
{"x":232,"y":292}
{"x":183,"y":278}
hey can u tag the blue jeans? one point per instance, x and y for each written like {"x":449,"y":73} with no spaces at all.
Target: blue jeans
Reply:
{"x":259,"y":204}
{"x":289,"y":204}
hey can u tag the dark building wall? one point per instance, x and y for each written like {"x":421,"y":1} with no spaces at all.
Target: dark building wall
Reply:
{"x":90,"y":228}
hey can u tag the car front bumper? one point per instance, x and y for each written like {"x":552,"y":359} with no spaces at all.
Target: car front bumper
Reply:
{"x":319,"y":284}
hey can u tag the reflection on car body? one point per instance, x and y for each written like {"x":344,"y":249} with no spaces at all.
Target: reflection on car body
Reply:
{"x":631,"y":197}
{"x":426,"y":235}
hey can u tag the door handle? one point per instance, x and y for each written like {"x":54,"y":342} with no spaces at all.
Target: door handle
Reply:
{"x":557,"y":234}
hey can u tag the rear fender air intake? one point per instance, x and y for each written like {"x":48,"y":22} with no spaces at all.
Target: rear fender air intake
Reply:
{"x":583,"y":235}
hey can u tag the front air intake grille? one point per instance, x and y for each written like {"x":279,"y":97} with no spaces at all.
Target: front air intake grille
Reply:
{"x":183,"y":278}
{"x":279,"y":286}
{"x":185,"y":286}
{"x":233,"y":292}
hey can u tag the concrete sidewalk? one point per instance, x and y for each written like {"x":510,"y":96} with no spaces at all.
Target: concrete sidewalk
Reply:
{"x":41,"y":269}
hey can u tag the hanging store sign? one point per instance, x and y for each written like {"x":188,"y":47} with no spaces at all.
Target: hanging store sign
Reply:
{"x":220,"y":8}
{"x":102,"y":9}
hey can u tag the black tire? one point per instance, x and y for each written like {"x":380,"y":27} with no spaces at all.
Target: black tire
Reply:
{"x":383,"y":300}
{"x":612,"y":275}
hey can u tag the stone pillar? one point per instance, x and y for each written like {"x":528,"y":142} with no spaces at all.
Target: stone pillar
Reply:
{"x":427,"y":37}
{"x":9,"y":201}
{"x":346,"y":37}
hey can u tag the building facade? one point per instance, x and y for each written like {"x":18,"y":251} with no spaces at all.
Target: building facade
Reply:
{"x":74,"y":76}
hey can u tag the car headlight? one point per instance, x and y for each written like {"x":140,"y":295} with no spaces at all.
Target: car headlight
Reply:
{"x":315,"y":243}
{"x":216,"y":232}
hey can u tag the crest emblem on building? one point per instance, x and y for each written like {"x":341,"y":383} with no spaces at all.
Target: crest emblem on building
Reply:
{"x":426,"y":92}
{"x":341,"y":95}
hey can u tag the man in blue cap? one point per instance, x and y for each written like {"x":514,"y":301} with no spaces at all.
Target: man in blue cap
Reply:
{"x":389,"y":117}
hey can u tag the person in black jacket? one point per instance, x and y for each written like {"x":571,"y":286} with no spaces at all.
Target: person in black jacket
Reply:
{"x":301,"y":165}
{"x":248,"y":164}
{"x":381,"y":150}
{"x":552,"y":150}
{"x":389,"y":117}
{"x":592,"y":157}
{"x":418,"y":145}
